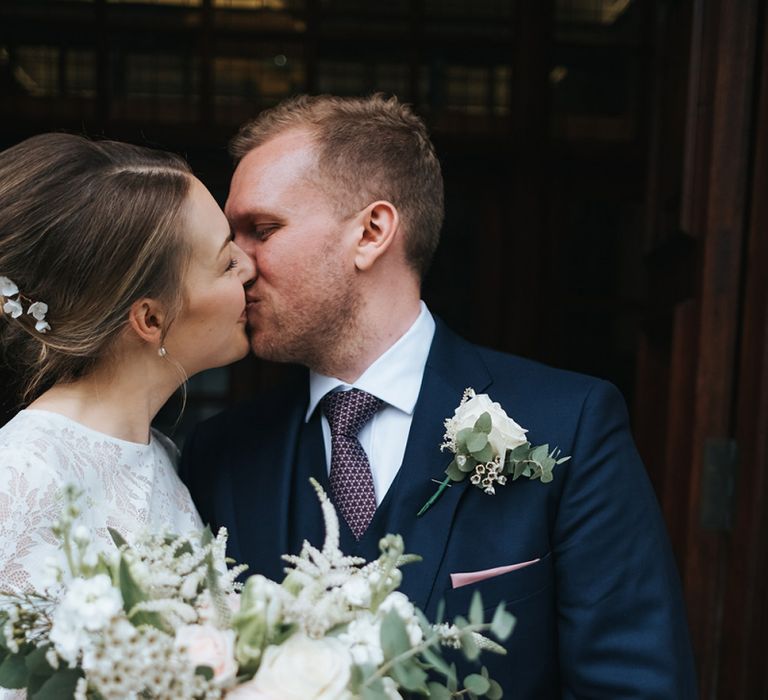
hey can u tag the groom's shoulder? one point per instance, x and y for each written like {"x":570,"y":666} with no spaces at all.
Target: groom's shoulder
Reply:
{"x":517,"y":374}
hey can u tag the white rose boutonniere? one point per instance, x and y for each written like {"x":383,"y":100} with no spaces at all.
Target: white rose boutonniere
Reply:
{"x":490,"y":447}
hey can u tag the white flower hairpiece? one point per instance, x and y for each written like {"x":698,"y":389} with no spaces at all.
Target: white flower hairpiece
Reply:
{"x":13,"y":307}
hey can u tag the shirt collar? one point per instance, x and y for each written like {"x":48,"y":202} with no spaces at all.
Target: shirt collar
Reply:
{"x":395,"y":377}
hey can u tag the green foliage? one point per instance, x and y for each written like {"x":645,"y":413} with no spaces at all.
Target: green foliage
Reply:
{"x":532,"y":462}
{"x":60,"y":685}
{"x":454,"y":471}
{"x":476,"y":609}
{"x":394,"y":636}
{"x":477,"y":684}
{"x":476,"y":443}
{"x":502,"y":623}
{"x":14,"y":672}
{"x":484,"y":424}
{"x":438,"y":692}
{"x":461,"y":440}
{"x":204,"y":671}
{"x":117,"y":538}
{"x":37,"y":663}
{"x":133,"y":595}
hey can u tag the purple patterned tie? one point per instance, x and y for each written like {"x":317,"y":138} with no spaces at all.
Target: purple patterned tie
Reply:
{"x":351,"y":481}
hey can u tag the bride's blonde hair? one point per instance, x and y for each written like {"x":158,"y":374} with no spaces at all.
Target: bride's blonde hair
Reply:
{"x":88,"y":227}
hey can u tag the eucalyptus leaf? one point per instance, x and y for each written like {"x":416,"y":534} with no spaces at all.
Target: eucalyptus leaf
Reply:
{"x":494,"y":692}
{"x":476,"y":609}
{"x":410,"y":676}
{"x":461,"y":440}
{"x":132,"y":595}
{"x":484,"y":424}
{"x":453,"y":472}
{"x":520,"y":452}
{"x":13,"y":672}
{"x":539,"y":453}
{"x":469,"y":647}
{"x":477,"y":684}
{"x":476,"y":442}
{"x":60,"y":685}
{"x":440,"y":612}
{"x":117,"y":538}
{"x":438,"y":692}
{"x":519,"y":470}
{"x":469,"y":463}
{"x":394,"y":637}
{"x":36,"y":662}
{"x":503,"y":623}
{"x":375,"y":684}
{"x":436,"y":661}
{"x":485,"y":455}
{"x":452,"y":682}
{"x":371,"y":693}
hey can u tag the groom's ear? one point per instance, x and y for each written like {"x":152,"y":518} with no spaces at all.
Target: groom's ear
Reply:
{"x":380,"y":224}
{"x":147,"y":319}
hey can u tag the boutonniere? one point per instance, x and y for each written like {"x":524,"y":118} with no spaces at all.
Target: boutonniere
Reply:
{"x":490,"y":447}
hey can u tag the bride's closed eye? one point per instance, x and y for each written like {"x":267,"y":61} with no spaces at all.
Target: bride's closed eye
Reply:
{"x":232,"y":264}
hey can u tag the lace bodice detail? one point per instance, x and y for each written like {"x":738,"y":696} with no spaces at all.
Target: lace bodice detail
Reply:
{"x":127,"y":486}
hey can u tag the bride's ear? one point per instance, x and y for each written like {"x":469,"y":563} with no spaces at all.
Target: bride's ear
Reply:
{"x":380,"y":224}
{"x":147,"y":319}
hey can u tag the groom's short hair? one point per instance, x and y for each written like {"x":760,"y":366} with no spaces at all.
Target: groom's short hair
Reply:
{"x":369,"y":148}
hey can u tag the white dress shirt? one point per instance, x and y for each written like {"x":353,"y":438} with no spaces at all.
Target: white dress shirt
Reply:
{"x":395,"y":378}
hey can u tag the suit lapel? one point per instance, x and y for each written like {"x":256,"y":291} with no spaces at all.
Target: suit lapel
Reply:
{"x":452,"y":366}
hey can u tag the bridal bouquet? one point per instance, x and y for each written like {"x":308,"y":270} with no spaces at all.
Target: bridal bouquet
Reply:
{"x":163,"y":617}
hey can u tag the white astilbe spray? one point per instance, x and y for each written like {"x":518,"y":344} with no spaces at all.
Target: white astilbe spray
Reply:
{"x":329,"y":588}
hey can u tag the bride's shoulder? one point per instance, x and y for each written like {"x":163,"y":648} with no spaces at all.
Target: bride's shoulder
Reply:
{"x":29,"y":446}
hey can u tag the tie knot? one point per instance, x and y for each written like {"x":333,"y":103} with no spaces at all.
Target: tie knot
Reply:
{"x":348,"y":411}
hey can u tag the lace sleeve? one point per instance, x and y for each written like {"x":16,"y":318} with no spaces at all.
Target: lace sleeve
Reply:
{"x":30,"y":503}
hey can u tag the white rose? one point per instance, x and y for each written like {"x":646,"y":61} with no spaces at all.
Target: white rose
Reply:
{"x":300,"y":669}
{"x":207,"y":646}
{"x":505,"y":433}
{"x":246,"y":691}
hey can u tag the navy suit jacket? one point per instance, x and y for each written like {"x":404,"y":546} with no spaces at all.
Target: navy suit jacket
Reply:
{"x":600,"y":615}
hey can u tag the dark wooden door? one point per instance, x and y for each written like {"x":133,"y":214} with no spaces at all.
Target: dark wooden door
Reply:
{"x":702,"y":389}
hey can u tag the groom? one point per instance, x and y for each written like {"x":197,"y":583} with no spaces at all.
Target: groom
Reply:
{"x":339,"y":202}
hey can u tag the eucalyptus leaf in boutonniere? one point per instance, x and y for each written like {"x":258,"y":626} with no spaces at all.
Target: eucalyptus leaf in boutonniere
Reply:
{"x":490,"y":447}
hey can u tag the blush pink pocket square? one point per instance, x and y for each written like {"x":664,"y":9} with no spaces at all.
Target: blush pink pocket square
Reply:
{"x":464,"y":579}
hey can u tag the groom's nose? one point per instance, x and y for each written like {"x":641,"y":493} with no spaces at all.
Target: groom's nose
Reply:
{"x":246,"y":267}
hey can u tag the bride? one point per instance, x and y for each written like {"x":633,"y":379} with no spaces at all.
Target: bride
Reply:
{"x":119,"y":278}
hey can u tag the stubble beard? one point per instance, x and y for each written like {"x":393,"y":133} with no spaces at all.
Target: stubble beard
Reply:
{"x":324,"y":335}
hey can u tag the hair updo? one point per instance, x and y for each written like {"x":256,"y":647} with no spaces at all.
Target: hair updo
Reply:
{"x":87,"y":227}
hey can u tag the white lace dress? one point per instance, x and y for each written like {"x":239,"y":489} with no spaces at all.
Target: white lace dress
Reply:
{"x":127,"y":486}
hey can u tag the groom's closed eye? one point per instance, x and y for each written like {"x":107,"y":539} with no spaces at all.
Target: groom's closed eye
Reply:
{"x":263,"y":232}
